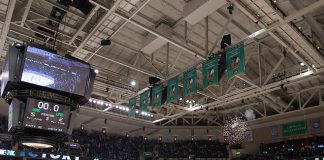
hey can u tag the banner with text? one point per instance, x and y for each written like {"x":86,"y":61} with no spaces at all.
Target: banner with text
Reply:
{"x":210,"y":72}
{"x":274,"y":131}
{"x":235,"y":60}
{"x":156,"y":96}
{"x":294,"y":128}
{"x":35,"y":155}
{"x":316,"y":124}
{"x":132,"y":106}
{"x":144,"y":100}
{"x":172,"y":89}
{"x":190,"y":81}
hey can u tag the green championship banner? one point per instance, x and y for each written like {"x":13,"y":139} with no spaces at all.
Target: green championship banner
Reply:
{"x":132,"y":106}
{"x":235,"y":60}
{"x":210,"y":72}
{"x":172,"y":89}
{"x":190,"y":81}
{"x":144,"y":100}
{"x":294,"y":128}
{"x":156,"y":96}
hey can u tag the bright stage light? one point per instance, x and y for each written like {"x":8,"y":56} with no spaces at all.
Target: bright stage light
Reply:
{"x":133,"y":83}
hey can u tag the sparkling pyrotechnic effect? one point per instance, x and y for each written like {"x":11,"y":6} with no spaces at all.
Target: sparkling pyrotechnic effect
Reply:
{"x":234,"y":130}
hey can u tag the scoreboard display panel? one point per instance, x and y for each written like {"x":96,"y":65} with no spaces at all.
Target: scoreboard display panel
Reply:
{"x":46,"y":69}
{"x":40,"y":114}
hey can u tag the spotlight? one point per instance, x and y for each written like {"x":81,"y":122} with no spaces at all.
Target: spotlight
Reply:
{"x":284,"y":53}
{"x":103,"y":130}
{"x":318,"y":47}
{"x":299,"y":27}
{"x":17,"y":44}
{"x":133,"y":83}
{"x":90,"y":100}
{"x":127,"y":109}
{"x":180,"y":99}
{"x":187,"y":101}
{"x":117,"y":107}
{"x":230,"y":9}
{"x":193,"y":101}
{"x":136,"y":111}
{"x":274,"y":1}
{"x":109,"y":104}
{"x":94,"y":101}
{"x":313,"y":66}
{"x":96,"y":71}
{"x":302,"y":64}
{"x":106,"y":104}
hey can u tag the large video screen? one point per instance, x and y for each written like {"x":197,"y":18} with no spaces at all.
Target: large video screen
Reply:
{"x":46,"y":115}
{"x":50,"y":70}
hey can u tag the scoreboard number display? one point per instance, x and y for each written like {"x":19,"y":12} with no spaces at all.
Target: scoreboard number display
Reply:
{"x":40,"y":114}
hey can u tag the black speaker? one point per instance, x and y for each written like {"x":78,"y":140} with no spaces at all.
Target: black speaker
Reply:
{"x":226,"y":41}
{"x":153,"y":80}
{"x":164,"y":95}
{"x":221,"y":65}
{"x":66,"y":3}
{"x":105,"y":42}
{"x":83,"y":5}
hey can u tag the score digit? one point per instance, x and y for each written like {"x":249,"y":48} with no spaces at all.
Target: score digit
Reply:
{"x":46,"y":105}
{"x":56,"y":108}
{"x":43,"y":105}
{"x":40,"y":105}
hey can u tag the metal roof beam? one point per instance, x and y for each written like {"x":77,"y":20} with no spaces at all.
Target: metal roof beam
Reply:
{"x":86,"y":21}
{"x":104,"y":18}
{"x":315,"y":26}
{"x":27,"y":8}
{"x":269,"y":29}
{"x":6,"y":26}
{"x":266,"y":89}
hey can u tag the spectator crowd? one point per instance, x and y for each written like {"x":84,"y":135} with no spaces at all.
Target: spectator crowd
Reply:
{"x":101,"y":145}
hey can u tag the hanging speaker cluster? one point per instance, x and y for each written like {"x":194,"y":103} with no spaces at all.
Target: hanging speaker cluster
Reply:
{"x":152,"y":82}
{"x":83,"y":5}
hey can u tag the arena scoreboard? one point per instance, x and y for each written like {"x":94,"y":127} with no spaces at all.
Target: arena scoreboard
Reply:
{"x":45,"y":115}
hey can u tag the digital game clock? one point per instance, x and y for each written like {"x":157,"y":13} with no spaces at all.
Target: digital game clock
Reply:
{"x":45,"y":115}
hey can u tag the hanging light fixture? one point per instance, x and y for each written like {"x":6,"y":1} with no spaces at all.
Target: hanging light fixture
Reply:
{"x":234,"y":130}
